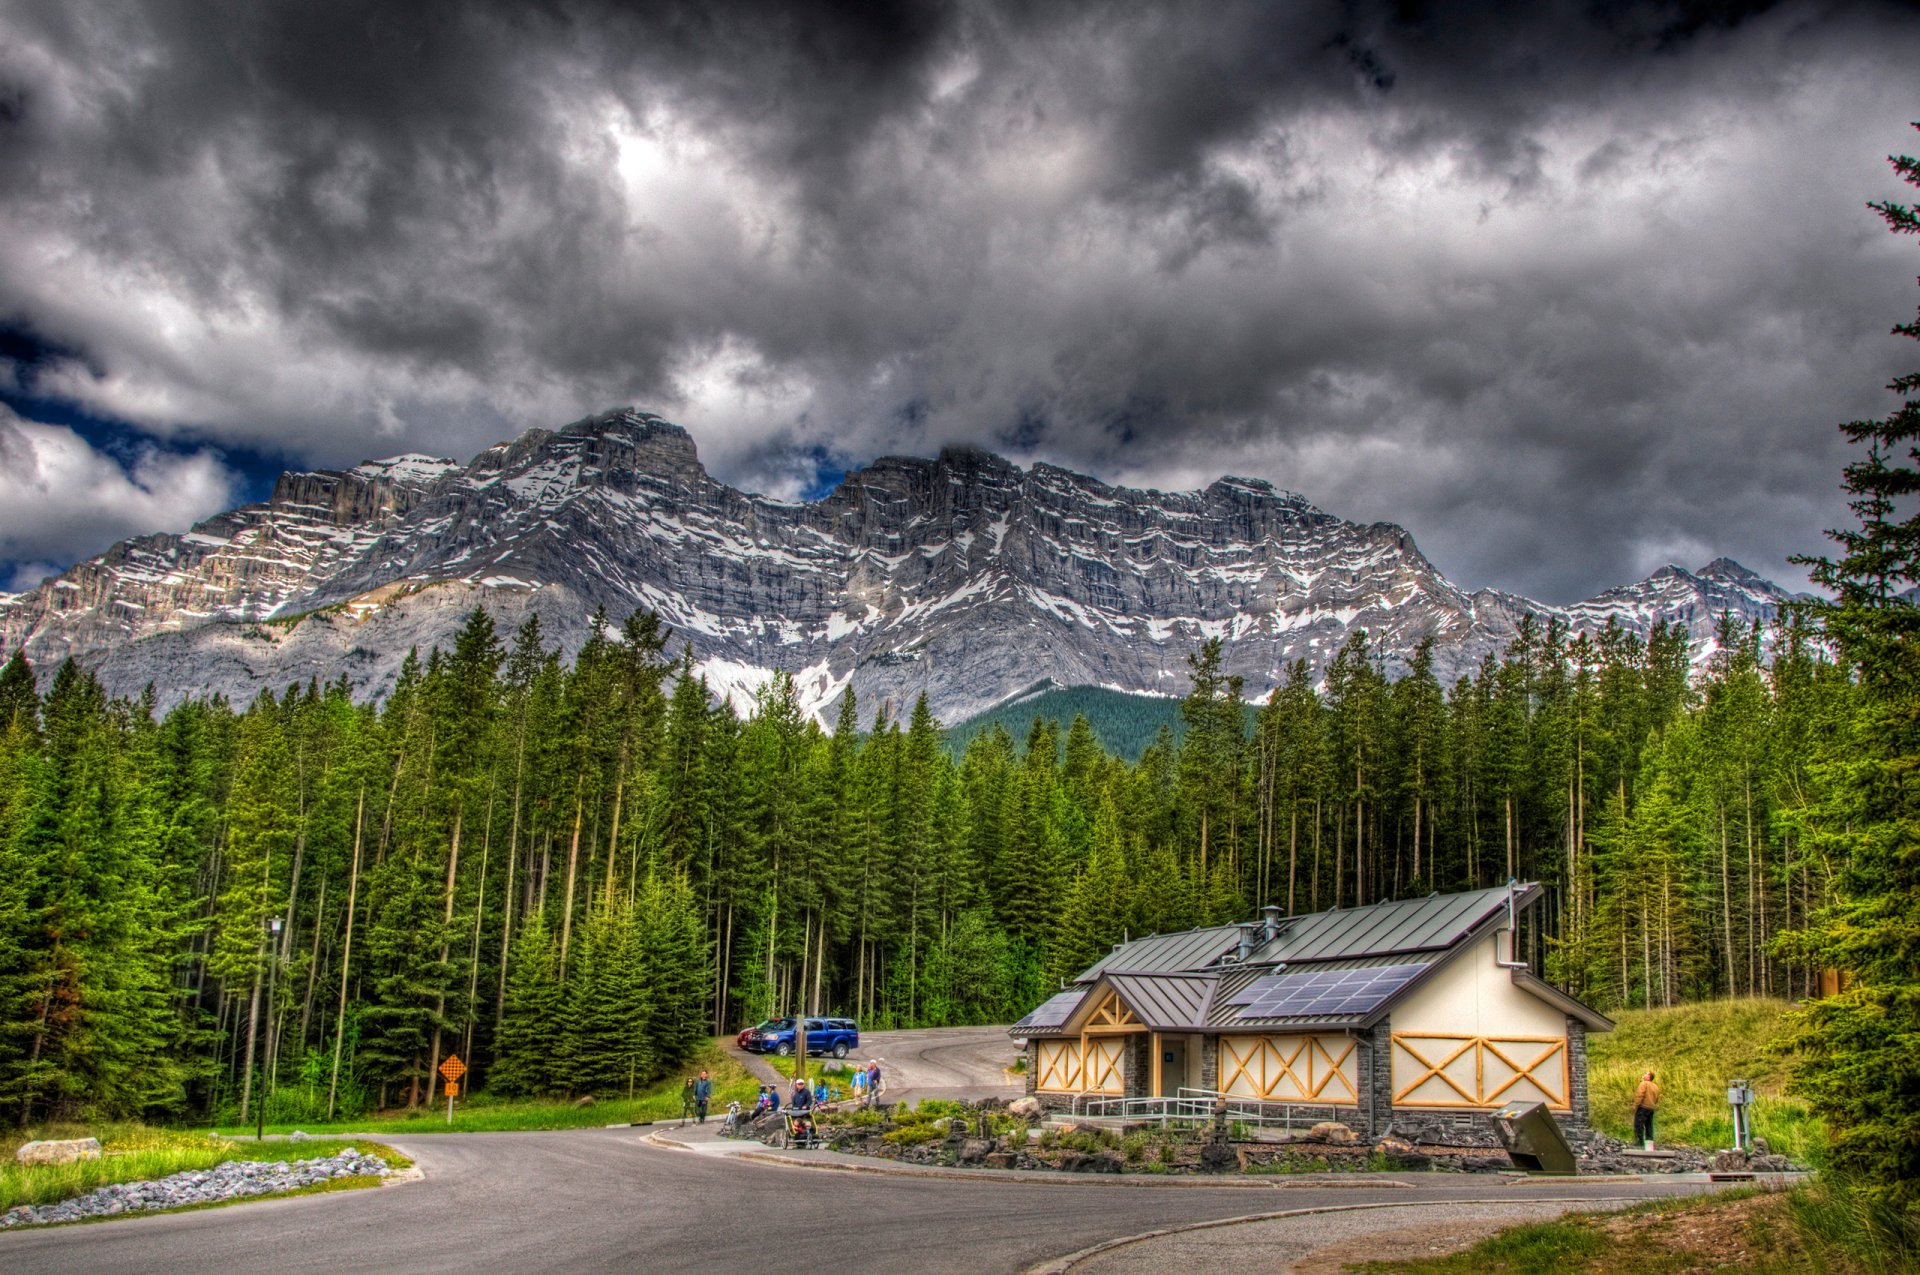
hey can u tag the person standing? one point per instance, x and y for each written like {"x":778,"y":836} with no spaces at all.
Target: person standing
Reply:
{"x":1646,"y":1101}
{"x":702,"y":1095}
{"x":873,"y":1083}
{"x":686,"y":1101}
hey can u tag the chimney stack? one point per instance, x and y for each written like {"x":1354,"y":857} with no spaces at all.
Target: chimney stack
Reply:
{"x":1270,"y":923}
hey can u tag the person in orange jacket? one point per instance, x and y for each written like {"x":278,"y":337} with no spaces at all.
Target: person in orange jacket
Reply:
{"x":1646,"y":1100}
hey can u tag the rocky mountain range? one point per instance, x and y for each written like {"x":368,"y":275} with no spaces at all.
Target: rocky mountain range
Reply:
{"x":963,"y":576}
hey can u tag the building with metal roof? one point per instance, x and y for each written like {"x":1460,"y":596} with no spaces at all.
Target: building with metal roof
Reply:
{"x":1410,"y":1014}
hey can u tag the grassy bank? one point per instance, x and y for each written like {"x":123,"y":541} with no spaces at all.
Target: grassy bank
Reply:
{"x":1695,"y":1050}
{"x":482,"y":1114}
{"x":138,"y":1153}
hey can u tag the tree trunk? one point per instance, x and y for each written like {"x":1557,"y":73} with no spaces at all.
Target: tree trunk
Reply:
{"x":479,"y":914}
{"x":440,"y":998}
{"x":1726,"y":902}
{"x":573,"y":864}
{"x":1293,"y":851}
{"x":346,"y":956}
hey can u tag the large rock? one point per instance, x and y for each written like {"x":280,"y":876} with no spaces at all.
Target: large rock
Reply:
{"x":1218,"y":1157}
{"x":974,"y":1151}
{"x":64,"y":1151}
{"x":1333,"y":1131}
{"x":1028,"y":1108}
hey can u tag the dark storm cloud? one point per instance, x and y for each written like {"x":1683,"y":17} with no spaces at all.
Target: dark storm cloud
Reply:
{"x":1565,"y":289}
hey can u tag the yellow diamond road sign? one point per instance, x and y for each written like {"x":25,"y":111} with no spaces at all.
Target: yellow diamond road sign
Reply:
{"x":453,"y":1068}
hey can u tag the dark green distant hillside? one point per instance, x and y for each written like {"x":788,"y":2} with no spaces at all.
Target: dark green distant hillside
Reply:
{"x":1125,"y":723}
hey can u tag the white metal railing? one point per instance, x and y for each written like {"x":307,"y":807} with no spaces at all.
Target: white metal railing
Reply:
{"x":1200,"y":1106}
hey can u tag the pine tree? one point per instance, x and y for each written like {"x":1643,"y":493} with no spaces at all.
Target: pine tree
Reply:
{"x":1858,"y":1062}
{"x":528,"y":1057}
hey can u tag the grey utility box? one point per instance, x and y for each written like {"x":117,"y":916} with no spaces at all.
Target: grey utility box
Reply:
{"x":1533,"y":1138}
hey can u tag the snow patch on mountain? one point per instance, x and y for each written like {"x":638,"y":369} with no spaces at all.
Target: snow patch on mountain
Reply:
{"x":962,"y":577}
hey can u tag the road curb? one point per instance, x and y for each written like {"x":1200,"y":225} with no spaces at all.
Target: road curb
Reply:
{"x":1061,"y":1265}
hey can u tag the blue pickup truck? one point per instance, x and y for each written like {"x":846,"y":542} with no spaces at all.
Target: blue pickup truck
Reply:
{"x":836,"y":1036}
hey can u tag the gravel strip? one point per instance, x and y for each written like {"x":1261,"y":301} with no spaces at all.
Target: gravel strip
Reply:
{"x":234,"y":1180}
{"x":1290,"y":1243}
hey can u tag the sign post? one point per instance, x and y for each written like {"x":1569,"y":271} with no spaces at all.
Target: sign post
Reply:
{"x":452,"y":1069}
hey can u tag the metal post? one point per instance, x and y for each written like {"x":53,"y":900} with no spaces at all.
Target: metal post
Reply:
{"x":1740,"y":1099}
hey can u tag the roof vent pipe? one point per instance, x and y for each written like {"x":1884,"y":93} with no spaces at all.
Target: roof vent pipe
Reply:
{"x":1244,"y":948}
{"x":1513,"y":933}
{"x":1270,"y":923}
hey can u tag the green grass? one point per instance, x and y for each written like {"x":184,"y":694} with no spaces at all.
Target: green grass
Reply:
{"x":833,"y":1069}
{"x":1694,"y":1050}
{"x":136,"y":1153}
{"x":481,"y":1114}
{"x":1819,"y":1228}
{"x":1538,"y":1246}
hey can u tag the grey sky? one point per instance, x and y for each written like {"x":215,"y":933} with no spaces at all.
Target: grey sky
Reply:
{"x":1569,"y":291}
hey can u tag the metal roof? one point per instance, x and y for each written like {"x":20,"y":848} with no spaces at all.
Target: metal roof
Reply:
{"x":1240,"y":1014}
{"x":1434,"y":923}
{"x":1166,"y":1002}
{"x":1190,"y":981}
{"x":1394,"y":928}
{"x":1051,"y":1015}
{"x":1167,"y":953}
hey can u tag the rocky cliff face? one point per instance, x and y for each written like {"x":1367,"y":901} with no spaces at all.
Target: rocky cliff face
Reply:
{"x":963,"y":576}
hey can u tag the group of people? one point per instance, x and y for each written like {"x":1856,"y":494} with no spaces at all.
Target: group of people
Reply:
{"x":864,"y":1090}
{"x":695,"y":1096}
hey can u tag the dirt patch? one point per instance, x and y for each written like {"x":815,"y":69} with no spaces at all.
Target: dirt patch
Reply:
{"x":1405,"y":1244}
{"x":1715,"y":1237}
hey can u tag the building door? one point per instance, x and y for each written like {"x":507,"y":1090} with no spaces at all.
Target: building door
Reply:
{"x":1173,"y":1065}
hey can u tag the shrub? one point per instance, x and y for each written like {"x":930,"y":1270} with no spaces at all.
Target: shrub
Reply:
{"x":912,"y":1135}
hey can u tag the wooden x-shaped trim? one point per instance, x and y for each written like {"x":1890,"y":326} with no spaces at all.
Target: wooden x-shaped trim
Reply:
{"x":1525,"y":1073}
{"x":1103,"y":1059}
{"x":1333,"y":1068}
{"x":1438,"y":1069}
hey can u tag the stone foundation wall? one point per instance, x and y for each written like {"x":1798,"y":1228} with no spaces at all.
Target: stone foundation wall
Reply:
{"x":1579,"y":1112}
{"x":1374,"y":1071}
{"x":1469,"y":1128}
{"x":1210,"y":1063}
{"x":1138,"y":1065}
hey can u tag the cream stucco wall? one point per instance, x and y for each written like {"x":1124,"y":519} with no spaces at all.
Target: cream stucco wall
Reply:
{"x":1471,"y":1039}
{"x":1474,"y":997}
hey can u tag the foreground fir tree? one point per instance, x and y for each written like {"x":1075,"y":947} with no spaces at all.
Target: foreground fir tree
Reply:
{"x":1860,"y":1050}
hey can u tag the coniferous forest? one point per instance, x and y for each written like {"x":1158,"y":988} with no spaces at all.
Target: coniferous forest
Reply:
{"x":570,"y":874}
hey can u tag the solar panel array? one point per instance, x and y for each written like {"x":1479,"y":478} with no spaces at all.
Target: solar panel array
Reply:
{"x":1323,"y":993}
{"x":1054,"y":1011}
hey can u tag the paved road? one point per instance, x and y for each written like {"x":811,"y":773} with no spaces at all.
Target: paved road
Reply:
{"x":608,"y":1200}
{"x":947,"y":1062}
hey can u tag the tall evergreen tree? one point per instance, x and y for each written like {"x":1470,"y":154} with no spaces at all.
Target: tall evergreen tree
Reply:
{"x":1859,"y":1061}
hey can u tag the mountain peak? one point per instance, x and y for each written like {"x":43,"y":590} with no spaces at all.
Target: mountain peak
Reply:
{"x":1728,"y":569}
